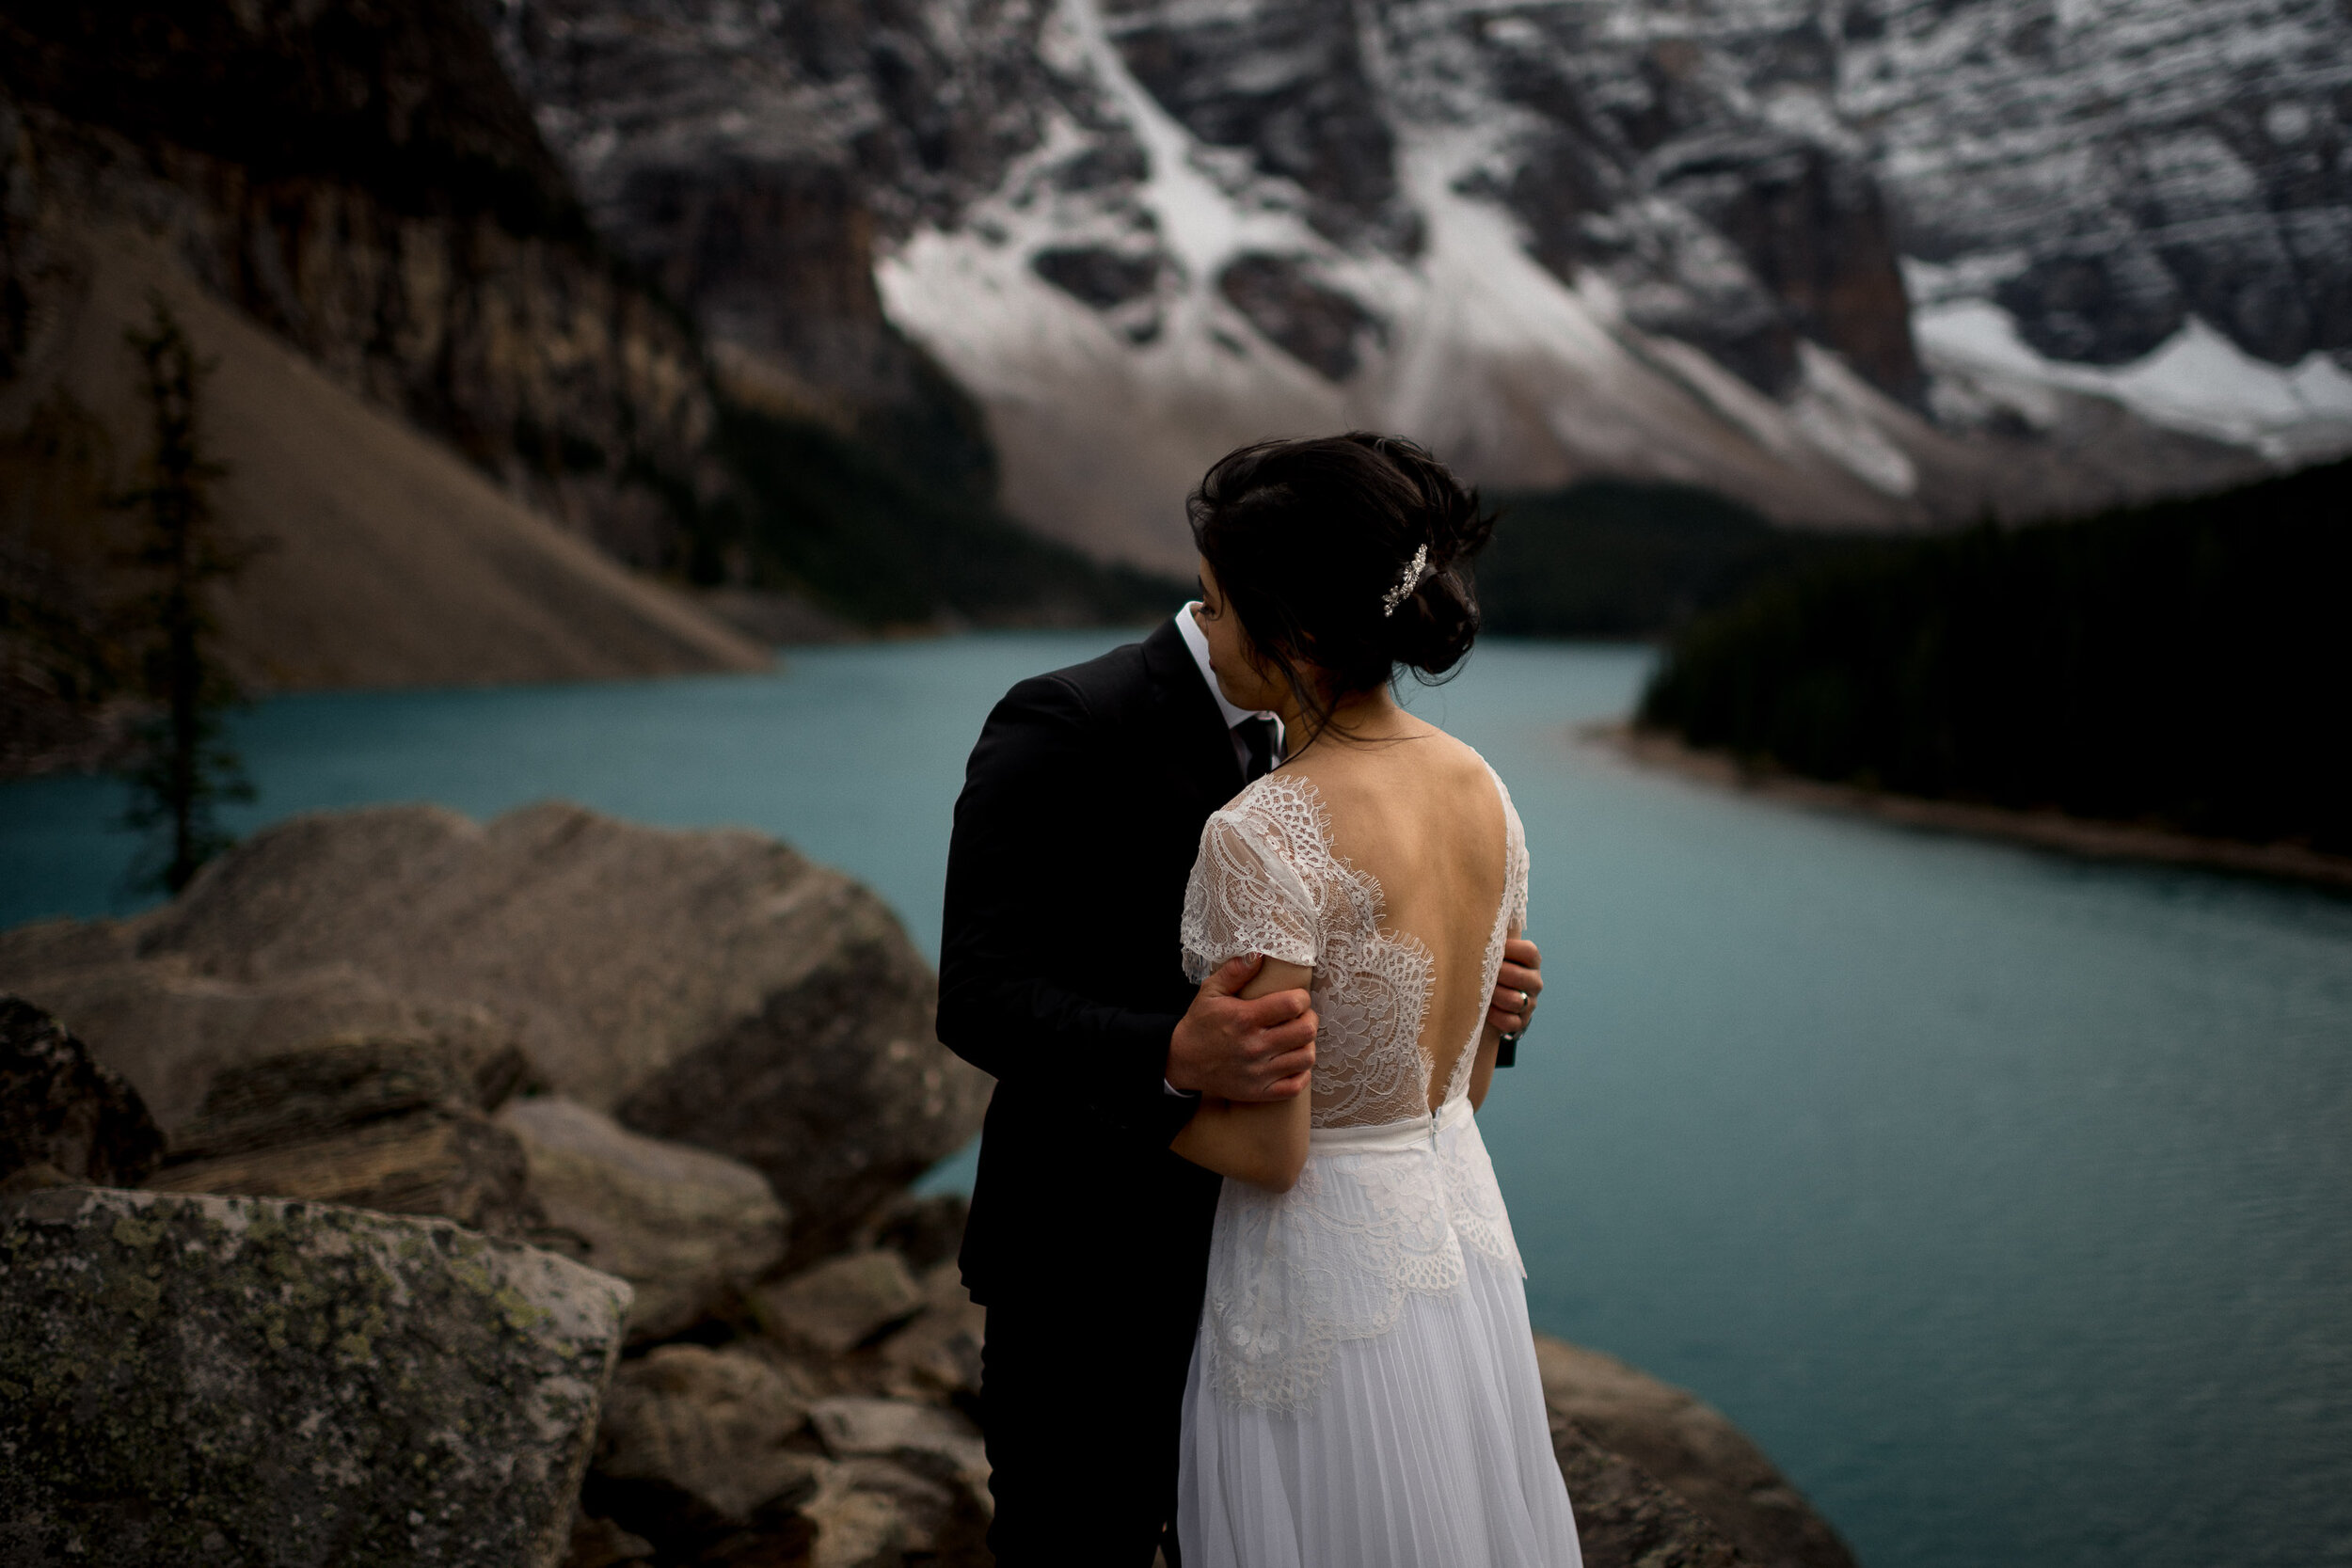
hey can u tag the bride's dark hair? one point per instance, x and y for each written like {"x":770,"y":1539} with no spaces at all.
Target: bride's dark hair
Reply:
{"x":1312,"y":542}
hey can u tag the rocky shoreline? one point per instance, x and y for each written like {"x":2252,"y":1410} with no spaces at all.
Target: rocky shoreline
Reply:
{"x":2043,"y":830}
{"x":535,"y":1193}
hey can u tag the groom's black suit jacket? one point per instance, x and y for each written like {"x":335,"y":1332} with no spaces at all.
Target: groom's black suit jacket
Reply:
{"x":1060,"y":973}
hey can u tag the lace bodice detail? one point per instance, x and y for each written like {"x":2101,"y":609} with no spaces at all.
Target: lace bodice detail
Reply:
{"x":1267,"y":881}
{"x":1392,"y":1200}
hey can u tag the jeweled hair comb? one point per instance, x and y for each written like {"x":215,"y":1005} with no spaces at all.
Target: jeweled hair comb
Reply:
{"x":1414,"y":572}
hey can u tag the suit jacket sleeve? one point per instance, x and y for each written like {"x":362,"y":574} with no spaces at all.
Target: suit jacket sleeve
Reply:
{"x":1030,"y":812}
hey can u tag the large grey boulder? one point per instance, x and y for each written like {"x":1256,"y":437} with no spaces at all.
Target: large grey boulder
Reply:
{"x":686,"y":1227}
{"x":835,"y":1088}
{"x":62,"y":1115}
{"x":171,"y":1029}
{"x":333,"y":1087}
{"x":391,"y":1125}
{"x":247,"y":1381}
{"x":714,"y":988}
{"x":458,"y":1166}
{"x":1684,"y":1445}
{"x":614,"y":948}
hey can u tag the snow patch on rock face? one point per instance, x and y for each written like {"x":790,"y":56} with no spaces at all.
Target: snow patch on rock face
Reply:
{"x":1099,"y":415}
{"x":1844,"y":415}
{"x":2197,"y":381}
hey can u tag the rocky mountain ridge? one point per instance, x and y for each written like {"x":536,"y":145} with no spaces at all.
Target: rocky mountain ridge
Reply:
{"x":365,"y":184}
{"x":446,"y":406}
{"x":1688,"y":242}
{"x":444,"y":422}
{"x":2105,"y":171}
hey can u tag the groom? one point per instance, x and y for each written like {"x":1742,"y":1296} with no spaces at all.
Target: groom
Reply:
{"x":1081,"y":812}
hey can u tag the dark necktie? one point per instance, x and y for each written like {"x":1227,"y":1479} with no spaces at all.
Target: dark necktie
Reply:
{"x":1257,"y":734}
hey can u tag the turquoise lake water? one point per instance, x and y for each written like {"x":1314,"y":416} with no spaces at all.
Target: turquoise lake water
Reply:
{"x":2005,"y":1200}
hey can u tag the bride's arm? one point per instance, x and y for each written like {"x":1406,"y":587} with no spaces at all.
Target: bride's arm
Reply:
{"x":1266,"y":1145}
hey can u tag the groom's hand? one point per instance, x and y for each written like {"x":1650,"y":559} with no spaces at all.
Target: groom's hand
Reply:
{"x":1517,"y":984}
{"x":1255,"y":1050}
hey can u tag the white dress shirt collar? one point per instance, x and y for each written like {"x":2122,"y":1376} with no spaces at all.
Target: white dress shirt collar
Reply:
{"x":1199,"y":643}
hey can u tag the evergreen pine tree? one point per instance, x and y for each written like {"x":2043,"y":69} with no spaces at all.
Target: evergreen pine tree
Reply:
{"x":187,"y":768}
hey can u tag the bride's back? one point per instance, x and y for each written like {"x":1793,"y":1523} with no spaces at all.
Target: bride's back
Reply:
{"x":1329,"y":566}
{"x":1420,"y":823}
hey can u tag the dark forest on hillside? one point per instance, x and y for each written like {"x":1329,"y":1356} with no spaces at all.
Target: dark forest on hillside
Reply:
{"x":1619,"y":557}
{"x":2185,"y":664}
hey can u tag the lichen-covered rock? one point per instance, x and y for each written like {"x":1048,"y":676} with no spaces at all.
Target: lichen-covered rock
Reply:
{"x":841,"y":1302}
{"x":213,"y":1380}
{"x":1694,"y":1451}
{"x":62,"y":1113}
{"x":684,"y":1225}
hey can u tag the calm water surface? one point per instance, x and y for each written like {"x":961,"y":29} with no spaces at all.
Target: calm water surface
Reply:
{"x":2005,"y":1200}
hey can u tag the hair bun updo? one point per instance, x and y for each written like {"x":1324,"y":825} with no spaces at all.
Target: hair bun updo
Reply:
{"x":1311,"y":540}
{"x":1432,"y":629}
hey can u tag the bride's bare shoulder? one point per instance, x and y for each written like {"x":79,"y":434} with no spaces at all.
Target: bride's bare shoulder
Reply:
{"x":1457,"y":758}
{"x":1432,"y":759}
{"x":1423,"y":762}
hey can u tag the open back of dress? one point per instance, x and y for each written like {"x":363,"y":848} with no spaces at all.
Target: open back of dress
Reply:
{"x":1269,"y":880}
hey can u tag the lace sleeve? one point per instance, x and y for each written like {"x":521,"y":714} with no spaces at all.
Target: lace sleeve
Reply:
{"x":1244,"y":896}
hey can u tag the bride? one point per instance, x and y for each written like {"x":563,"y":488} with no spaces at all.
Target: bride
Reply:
{"x":1363,"y":1390}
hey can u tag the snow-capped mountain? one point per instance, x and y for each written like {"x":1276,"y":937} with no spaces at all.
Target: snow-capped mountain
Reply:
{"x":1871,"y":262}
{"x":2149,"y":200}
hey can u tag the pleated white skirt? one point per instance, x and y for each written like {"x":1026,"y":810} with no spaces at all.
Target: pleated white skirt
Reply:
{"x":1423,"y":1445}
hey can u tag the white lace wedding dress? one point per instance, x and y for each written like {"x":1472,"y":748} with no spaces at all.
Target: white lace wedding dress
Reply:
{"x":1363,"y":1390}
